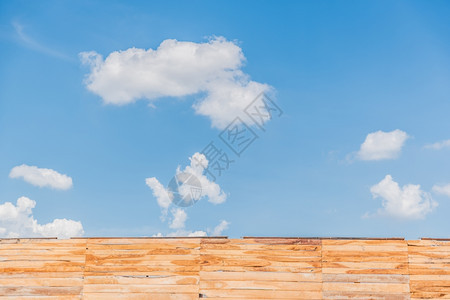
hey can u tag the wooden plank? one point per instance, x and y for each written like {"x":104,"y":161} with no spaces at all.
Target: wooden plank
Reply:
{"x":142,"y":279}
{"x":429,"y":277}
{"x":261,"y":285}
{"x":155,"y":251}
{"x":429,"y":295}
{"x":261,"y":294}
{"x":373,"y":242}
{"x":40,"y":274}
{"x":403,"y":271}
{"x":266,"y":276}
{"x":143,"y":246}
{"x":146,"y":240}
{"x":39,"y":291}
{"x":260,"y":269}
{"x":244,"y":262}
{"x":365,"y":265}
{"x":394,"y":288}
{"x":224,"y":246}
{"x":141,"y":268}
{"x":129,"y":258}
{"x":366,"y":278}
{"x":274,"y":253}
{"x":49,"y":282}
{"x":362,"y":295}
{"x":371,"y":248}
{"x":144,"y":288}
{"x":276,"y":241}
{"x":42,"y":252}
{"x":139,"y":296}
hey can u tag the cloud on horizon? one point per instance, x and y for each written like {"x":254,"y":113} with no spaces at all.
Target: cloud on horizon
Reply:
{"x":18,"y":221}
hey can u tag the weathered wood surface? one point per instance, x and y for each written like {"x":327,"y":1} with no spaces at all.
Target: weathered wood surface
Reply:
{"x":221,"y":268}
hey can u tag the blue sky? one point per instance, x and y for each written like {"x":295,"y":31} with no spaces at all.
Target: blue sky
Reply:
{"x":339,"y":71}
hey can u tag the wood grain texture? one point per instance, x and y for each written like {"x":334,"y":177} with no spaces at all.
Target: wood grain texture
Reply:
{"x":222,"y":268}
{"x":429,"y":265}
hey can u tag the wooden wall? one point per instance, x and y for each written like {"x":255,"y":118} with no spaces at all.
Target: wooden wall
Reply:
{"x":221,"y":268}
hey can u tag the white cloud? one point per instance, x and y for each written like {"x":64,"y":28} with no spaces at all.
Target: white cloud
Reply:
{"x":18,"y":221}
{"x":209,"y":189}
{"x":183,"y":233}
{"x":41,"y":177}
{"x":382,"y":145}
{"x":179,"y":218}
{"x":160,"y":193}
{"x":439,"y":145}
{"x":407,"y":202}
{"x":223,"y":225}
{"x":177,"y":69}
{"x":442,"y":189}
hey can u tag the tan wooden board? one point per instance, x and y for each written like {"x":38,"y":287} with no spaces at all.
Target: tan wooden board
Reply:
{"x":139,"y":296}
{"x":261,"y":294}
{"x":366,"y":278}
{"x":143,"y":288}
{"x":366,"y":287}
{"x":39,"y":290}
{"x":219,"y":268}
{"x":264,"y":276}
{"x":261,"y":285}
{"x":143,"y":279}
{"x":364,"y":295}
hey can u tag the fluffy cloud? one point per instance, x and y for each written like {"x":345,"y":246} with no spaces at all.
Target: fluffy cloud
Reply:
{"x":439,"y":145}
{"x":179,"y":218}
{"x":382,"y":145}
{"x":442,"y":189}
{"x":160,"y":193}
{"x":41,"y":177}
{"x":407,"y":202}
{"x":220,"y":228}
{"x":177,"y":69}
{"x":209,"y":189}
{"x":18,"y":221}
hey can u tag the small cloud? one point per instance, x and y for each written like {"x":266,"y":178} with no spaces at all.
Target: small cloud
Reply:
{"x":442,"y":189}
{"x":18,"y":221}
{"x":223,"y":225}
{"x":177,"y":69}
{"x":209,"y":189}
{"x":179,"y":218}
{"x":41,"y":177}
{"x":407,"y":202}
{"x":160,"y":193}
{"x":195,"y":171}
{"x":183,"y":233}
{"x":382,"y":145}
{"x":439,"y":145}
